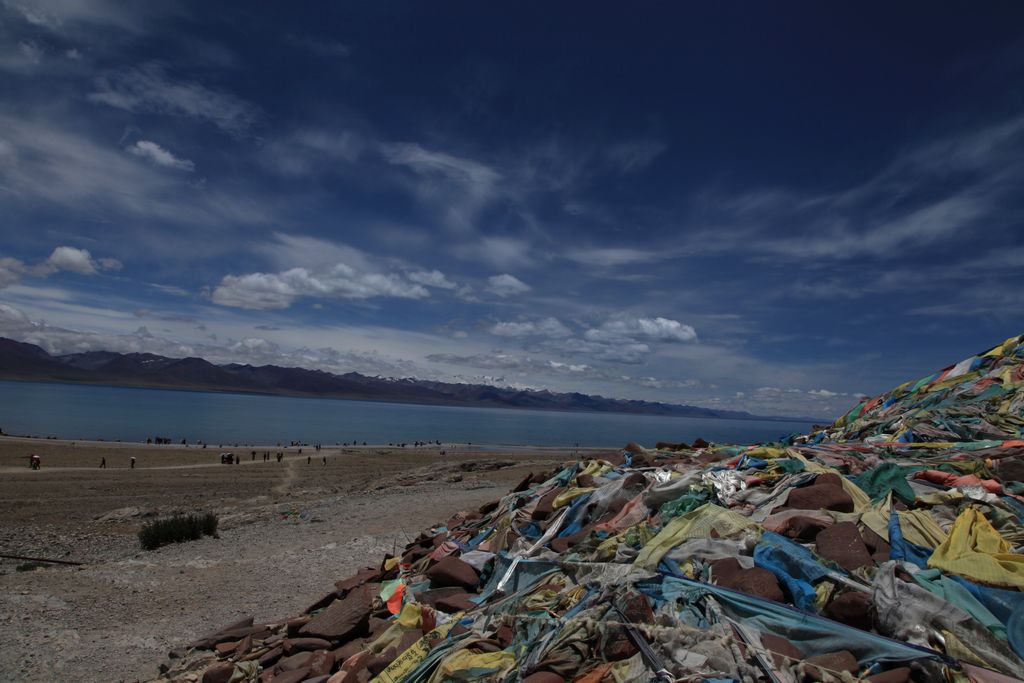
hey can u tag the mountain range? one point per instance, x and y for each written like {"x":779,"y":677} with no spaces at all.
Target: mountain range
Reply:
{"x":23,"y":361}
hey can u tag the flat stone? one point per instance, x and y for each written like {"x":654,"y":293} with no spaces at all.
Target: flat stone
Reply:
{"x":451,"y":571}
{"x":756,"y":581}
{"x":804,"y":528}
{"x":851,"y":608}
{"x":842,"y":543}
{"x":546,"y":504}
{"x":321,"y":664}
{"x":820,"y":497}
{"x":381,"y":661}
{"x":270,"y":657}
{"x":219,"y":673}
{"x":293,"y":662}
{"x":900,"y":675}
{"x":431,"y":596}
{"x":833,"y":661}
{"x":349,"y":649}
{"x":783,"y":652}
{"x":293,"y":645}
{"x":725,"y":568}
{"x":364,"y":575}
{"x":210,"y":639}
{"x":296,"y":676}
{"x":346,"y":617}
{"x":244,"y":645}
{"x":226,"y":648}
{"x":543,"y":677}
{"x":456,"y":603}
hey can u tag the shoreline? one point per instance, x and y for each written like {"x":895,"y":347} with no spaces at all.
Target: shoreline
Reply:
{"x":477,"y":405}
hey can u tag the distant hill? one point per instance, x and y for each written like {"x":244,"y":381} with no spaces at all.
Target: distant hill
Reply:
{"x":23,"y":361}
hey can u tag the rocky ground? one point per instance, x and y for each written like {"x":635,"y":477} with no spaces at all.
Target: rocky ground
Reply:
{"x":288,"y":530}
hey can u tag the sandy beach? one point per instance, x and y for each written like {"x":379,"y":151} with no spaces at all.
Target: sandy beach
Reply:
{"x":286,"y":530}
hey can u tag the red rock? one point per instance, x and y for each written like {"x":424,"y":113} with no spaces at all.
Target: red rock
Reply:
{"x":755,"y":581}
{"x":349,"y":649}
{"x":504,"y":635}
{"x":618,"y":645}
{"x":820,"y":497}
{"x":782,"y":651}
{"x":226,"y":648}
{"x":456,"y":603}
{"x":346,"y":617}
{"x":842,"y":543}
{"x":381,"y":661}
{"x":244,"y":645}
{"x":219,"y":673}
{"x":545,"y":506}
{"x":725,"y":568}
{"x":851,"y":608}
{"x":293,"y":626}
{"x":270,"y":657}
{"x":829,"y":479}
{"x":321,"y":664}
{"x":804,"y":528}
{"x":293,"y":662}
{"x":563,"y":543}
{"x":210,"y":639}
{"x":293,"y":645}
{"x":900,"y":675}
{"x":430,"y":597}
{"x":833,"y":661}
{"x":543,"y":677}
{"x":295,"y":676}
{"x":451,"y":571}
{"x":364,"y":575}
{"x":488,"y":508}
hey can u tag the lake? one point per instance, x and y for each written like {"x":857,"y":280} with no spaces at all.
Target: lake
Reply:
{"x":79,"y":411}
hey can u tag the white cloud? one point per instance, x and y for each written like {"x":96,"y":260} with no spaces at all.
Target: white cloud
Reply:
{"x":431,"y":278}
{"x":153,"y":152}
{"x":322,"y":48}
{"x":280,"y":290}
{"x":459,"y":187}
{"x":615,"y":256}
{"x":20,"y":58}
{"x":500,"y":252}
{"x":658,"y":329}
{"x":62,"y":258}
{"x":47,"y":162}
{"x":505,"y":285}
{"x":149,"y":88}
{"x":11,"y":270}
{"x":635,"y":155}
{"x":73,"y":260}
{"x":546,"y":327}
{"x":311,"y":150}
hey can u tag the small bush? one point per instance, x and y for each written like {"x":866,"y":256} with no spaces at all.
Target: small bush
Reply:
{"x":177,"y":529}
{"x":30,"y":566}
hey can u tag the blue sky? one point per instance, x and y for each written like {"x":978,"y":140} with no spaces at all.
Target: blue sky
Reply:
{"x":733,"y":205}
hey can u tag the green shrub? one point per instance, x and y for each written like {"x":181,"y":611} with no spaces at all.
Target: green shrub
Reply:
{"x":177,"y":529}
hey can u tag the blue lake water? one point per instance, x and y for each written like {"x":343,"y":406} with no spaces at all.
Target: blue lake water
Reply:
{"x":76,"y":411}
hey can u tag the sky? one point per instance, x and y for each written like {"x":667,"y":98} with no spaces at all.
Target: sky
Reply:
{"x":735,"y":205}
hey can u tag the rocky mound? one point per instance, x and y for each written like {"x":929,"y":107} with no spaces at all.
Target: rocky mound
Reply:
{"x":841,"y":558}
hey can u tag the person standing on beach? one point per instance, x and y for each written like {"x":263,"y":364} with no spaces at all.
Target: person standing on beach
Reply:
{"x":309,"y":459}
{"x":133,"y":462}
{"x":103,"y":463}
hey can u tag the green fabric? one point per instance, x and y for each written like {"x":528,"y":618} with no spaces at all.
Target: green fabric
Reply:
{"x":789,"y":465}
{"x":953,"y":593}
{"x":683,"y":504}
{"x":878,"y":481}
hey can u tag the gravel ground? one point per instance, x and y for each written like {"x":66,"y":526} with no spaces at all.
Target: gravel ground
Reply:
{"x":288,"y":531}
